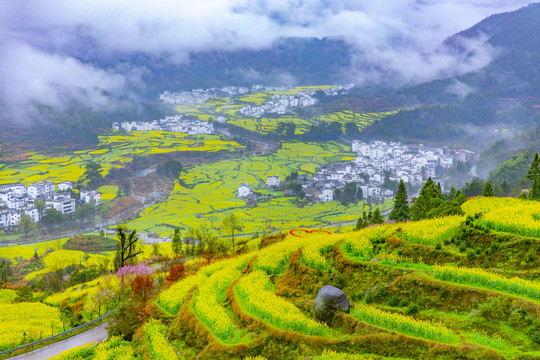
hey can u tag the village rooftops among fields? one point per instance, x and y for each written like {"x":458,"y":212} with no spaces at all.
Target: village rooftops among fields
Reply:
{"x":375,"y":162}
{"x":174,"y":123}
{"x":200,"y":96}
{"x":280,"y":104}
{"x":18,"y":199}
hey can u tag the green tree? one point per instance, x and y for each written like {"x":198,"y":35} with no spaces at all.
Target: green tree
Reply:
{"x":127,"y":247}
{"x":534,"y":175}
{"x":51,"y":217}
{"x":401,"y":210}
{"x":430,"y":197}
{"x":24,"y":294}
{"x":232,"y":225}
{"x":348,"y":194}
{"x":177,"y":246}
{"x":290,"y":129}
{"x":512,"y":169}
{"x":104,"y":207}
{"x":474,"y":188}
{"x":351,"y":129}
{"x":362,"y":222}
{"x":92,"y":174}
{"x":26,"y":224}
{"x":377,"y":217}
{"x":4,"y":271}
{"x":40,"y":205}
{"x":488,"y":190}
{"x":206,"y":240}
{"x":171,"y":169}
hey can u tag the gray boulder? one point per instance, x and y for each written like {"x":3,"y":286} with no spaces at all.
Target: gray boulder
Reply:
{"x":329,"y":300}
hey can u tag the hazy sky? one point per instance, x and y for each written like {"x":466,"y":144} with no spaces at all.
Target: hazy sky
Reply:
{"x":46,"y":44}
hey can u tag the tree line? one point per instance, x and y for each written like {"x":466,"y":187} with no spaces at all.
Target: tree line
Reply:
{"x":432,"y":202}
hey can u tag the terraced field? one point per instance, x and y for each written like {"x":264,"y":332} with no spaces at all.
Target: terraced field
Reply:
{"x":410,"y":298}
{"x":267,"y":125}
{"x":207,"y":193}
{"x":362,"y":120}
{"x":213,"y":108}
{"x":463,"y":291}
{"x":112,"y":150}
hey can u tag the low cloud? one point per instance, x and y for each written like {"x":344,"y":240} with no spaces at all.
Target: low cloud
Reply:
{"x":30,"y":77}
{"x":460,"y":89}
{"x":50,"y":44}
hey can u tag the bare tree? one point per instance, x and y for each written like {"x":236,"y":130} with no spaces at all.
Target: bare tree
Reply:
{"x":232,"y":225}
{"x":128,"y":246}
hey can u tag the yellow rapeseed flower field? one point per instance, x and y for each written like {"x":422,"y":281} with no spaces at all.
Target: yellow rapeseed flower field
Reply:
{"x":487,"y":279}
{"x":516,"y":216}
{"x":255,"y":293}
{"x":27,"y":322}
{"x":404,"y":324}
{"x":160,"y":349}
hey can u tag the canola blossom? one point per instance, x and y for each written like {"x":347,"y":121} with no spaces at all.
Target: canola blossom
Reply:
{"x":173,"y":298}
{"x":404,"y":324}
{"x":273,"y":259}
{"x":431,"y":231}
{"x":486,"y":279}
{"x":27,"y":322}
{"x":358,"y":243}
{"x":114,"y":349}
{"x":80,"y":352}
{"x":211,"y":294}
{"x":313,"y":251}
{"x":208,"y":303}
{"x":333,"y":355}
{"x":521,"y":217}
{"x":7,"y":296}
{"x":160,"y":349}
{"x":255,"y":294}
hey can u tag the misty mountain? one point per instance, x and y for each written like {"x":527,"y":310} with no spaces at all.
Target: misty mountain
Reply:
{"x":470,"y":107}
{"x":516,"y":38}
{"x":289,"y":61}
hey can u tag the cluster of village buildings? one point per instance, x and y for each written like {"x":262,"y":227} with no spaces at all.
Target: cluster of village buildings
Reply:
{"x":174,"y":123}
{"x":279,"y":104}
{"x":18,"y":199}
{"x":200,"y":96}
{"x":368,"y":170}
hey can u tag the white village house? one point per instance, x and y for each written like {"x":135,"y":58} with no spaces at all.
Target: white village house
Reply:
{"x":327,"y":195}
{"x":244,"y":190}
{"x":272,"y":180}
{"x":89,"y":195}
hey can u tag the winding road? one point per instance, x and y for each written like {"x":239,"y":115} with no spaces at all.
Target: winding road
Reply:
{"x":97,"y":334}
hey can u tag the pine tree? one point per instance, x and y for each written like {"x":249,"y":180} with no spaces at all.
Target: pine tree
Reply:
{"x":423,"y":204}
{"x":534,"y":194}
{"x":488,"y":190}
{"x":534,"y":175}
{"x":360,"y":224}
{"x":177,"y":245}
{"x":401,"y":210}
{"x":377,"y":218}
